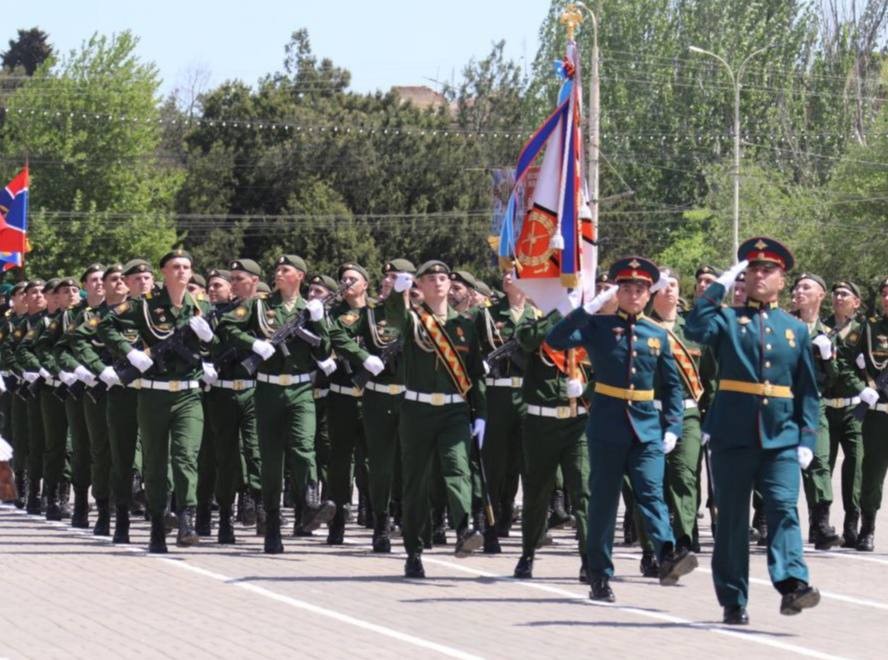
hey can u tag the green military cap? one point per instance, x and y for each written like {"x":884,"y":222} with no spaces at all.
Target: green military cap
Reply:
{"x":19,"y":286}
{"x":399,"y":266}
{"x":350,"y":265}
{"x":325,"y":281}
{"x":136,"y":266}
{"x":34,"y":284}
{"x":293,"y":260}
{"x":433,"y":266}
{"x":67,"y":281}
{"x":670,"y":273}
{"x":810,"y":276}
{"x":198,"y":279}
{"x":221,"y":274}
{"x":262,"y":287}
{"x":246,"y":265}
{"x":110,"y":270}
{"x":463,"y":276}
{"x":50,"y":285}
{"x":178,"y":253}
{"x":92,"y":268}
{"x":846,"y":284}
{"x":706,"y":269}
{"x":483,"y":289}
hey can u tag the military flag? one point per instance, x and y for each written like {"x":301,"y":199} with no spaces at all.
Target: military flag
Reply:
{"x":14,"y":215}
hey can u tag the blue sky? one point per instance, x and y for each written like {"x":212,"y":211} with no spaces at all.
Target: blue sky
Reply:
{"x":383,"y":43}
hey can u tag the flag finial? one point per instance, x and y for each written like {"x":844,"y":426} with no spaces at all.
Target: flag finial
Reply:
{"x":571,"y":18}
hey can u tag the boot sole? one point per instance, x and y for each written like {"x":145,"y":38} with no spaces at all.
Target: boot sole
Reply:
{"x":322,"y":516}
{"x":828,"y":545}
{"x":187,"y":541}
{"x":810,"y":599}
{"x":469,"y":545}
{"x":682,"y":568}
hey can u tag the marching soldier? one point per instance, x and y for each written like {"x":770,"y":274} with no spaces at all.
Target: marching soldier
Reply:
{"x":631,"y":355}
{"x":18,"y":410}
{"x":762,"y":425}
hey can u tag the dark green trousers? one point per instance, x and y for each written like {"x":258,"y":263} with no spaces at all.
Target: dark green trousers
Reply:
{"x":171,"y":426}
{"x":381,"y":417}
{"x":55,"y":447}
{"x":321,"y":440}
{"x":346,"y":427}
{"x":549,"y":444}
{"x":817,"y":479}
{"x":503,"y":442}
{"x":36,"y":436}
{"x":285,"y":419}
{"x":6,"y":415}
{"x":231,"y":416}
{"x":682,"y":478}
{"x":96,"y":415}
{"x":846,"y":431}
{"x":121,"y":410}
{"x":81,"y":455}
{"x":20,"y":435}
{"x":206,"y":459}
{"x":427,"y":431}
{"x":875,"y":460}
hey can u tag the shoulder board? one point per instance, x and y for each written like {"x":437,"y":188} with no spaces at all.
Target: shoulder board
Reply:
{"x":148,"y":295}
{"x":537,"y":313}
{"x":122,"y":308}
{"x":240,"y":312}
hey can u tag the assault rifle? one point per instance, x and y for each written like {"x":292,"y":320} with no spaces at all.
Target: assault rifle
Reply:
{"x":880,"y":386}
{"x":387,"y":353}
{"x":511,"y":350}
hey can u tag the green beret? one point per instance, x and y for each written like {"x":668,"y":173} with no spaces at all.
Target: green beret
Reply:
{"x":221,"y":274}
{"x":246,"y":265}
{"x":349,"y":265}
{"x":706,"y":269}
{"x":292,"y":260}
{"x":465,"y":277}
{"x":136,"y":266}
{"x":50,"y":285}
{"x":670,"y":273}
{"x":178,"y":253}
{"x":67,"y":281}
{"x":483,"y":289}
{"x":810,"y":276}
{"x":262,"y":287}
{"x":433,"y":266}
{"x":847,"y":284}
{"x":110,"y":270}
{"x":325,"y":281}
{"x":198,"y":279}
{"x":34,"y":284}
{"x":92,"y":268}
{"x":399,"y":266}
{"x":19,"y":286}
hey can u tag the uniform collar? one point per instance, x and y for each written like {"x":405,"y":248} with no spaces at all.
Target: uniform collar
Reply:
{"x":630,"y":318}
{"x":755,"y":304}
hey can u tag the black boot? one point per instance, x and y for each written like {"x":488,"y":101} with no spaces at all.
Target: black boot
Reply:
{"x":467,"y":540}
{"x":225,"y":533}
{"x":866,"y":540}
{"x":121,"y":525}
{"x":53,"y":512}
{"x":825,"y":537}
{"x":33,"y":506}
{"x":413,"y":566}
{"x":760,"y":525}
{"x":559,"y":517}
{"x":849,"y":529}
{"x":491,"y":542}
{"x":316,"y":512}
{"x":524,"y":568}
{"x":247,"y":510}
{"x":504,"y":522}
{"x":273,"y":543}
{"x":649,"y":567}
{"x":103,"y":521}
{"x":362,"y":510}
{"x":298,"y":529}
{"x":439,"y":528}
{"x":584,"y":570}
{"x":80,"y":517}
{"x":735,"y":615}
{"x":674,"y":564}
{"x":797,"y":596}
{"x":601,"y":590}
{"x":203,"y":522}
{"x":261,"y":517}
{"x":187,"y":536}
{"x":630,"y":536}
{"x":22,"y":484}
{"x":158,"y":545}
{"x":64,"y":496}
{"x":336,"y":533}
{"x":381,"y":541}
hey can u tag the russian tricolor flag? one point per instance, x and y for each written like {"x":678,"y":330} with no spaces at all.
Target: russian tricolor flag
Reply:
{"x":14,"y":214}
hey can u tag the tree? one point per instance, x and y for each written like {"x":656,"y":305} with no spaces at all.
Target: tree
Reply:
{"x":28,"y":51}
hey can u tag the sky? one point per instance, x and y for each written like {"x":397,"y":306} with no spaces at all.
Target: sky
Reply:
{"x":382,"y":43}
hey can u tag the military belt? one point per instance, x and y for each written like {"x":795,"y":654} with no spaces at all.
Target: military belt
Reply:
{"x":841,"y":403}
{"x":558,"y":412}
{"x":54,"y":382}
{"x":627,"y":394}
{"x":880,"y":407}
{"x":393,"y":389}
{"x":758,"y":389}
{"x":236,"y":385}
{"x":688,"y":404}
{"x":347,"y":391}
{"x":284,"y":380}
{"x":433,"y":399}
{"x":515,"y":382}
{"x":169,"y":385}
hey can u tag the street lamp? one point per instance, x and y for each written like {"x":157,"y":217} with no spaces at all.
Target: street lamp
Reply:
{"x":736,"y":82}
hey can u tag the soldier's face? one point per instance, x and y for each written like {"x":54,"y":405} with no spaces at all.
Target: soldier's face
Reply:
{"x":36,"y":300}
{"x":177,"y":271}
{"x":764,"y":281}
{"x":458,"y":294}
{"x":19,"y":302}
{"x":807,"y":294}
{"x":633,"y":296}
{"x":243,"y":285}
{"x":387,"y":283}
{"x":115,"y":286}
{"x":94,"y":286}
{"x":434,"y":287}
{"x":317,"y":292}
{"x":218,"y":290}
{"x":740,"y":293}
{"x":844,"y":302}
{"x":287,"y":278}
{"x":703,"y":283}
{"x":140,"y":283}
{"x":668,"y":297}
{"x":357,"y":285}
{"x":67,"y":296}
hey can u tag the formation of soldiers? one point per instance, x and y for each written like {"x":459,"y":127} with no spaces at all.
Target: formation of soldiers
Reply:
{"x":194,"y":395}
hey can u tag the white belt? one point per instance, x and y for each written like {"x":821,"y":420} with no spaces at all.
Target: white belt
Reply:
{"x":321,"y":393}
{"x":392,"y":389}
{"x":6,"y":374}
{"x":433,"y":399}
{"x":687,"y":403}
{"x":169,"y":385}
{"x":559,"y":412}
{"x":285,"y":379}
{"x":54,"y":382}
{"x":347,"y":391}
{"x":842,"y":403}
{"x":880,"y":407}
{"x":515,"y":382}
{"x":135,"y":384}
{"x":236,"y":385}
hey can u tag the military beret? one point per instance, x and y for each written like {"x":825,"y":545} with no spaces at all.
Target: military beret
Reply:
{"x":465,"y":277}
{"x":433,"y":266}
{"x":325,"y":281}
{"x":246,"y":265}
{"x":670,"y":273}
{"x":110,"y":270}
{"x":810,"y":276}
{"x":483,"y":289}
{"x":634,"y":269}
{"x":846,"y":284}
{"x":292,"y":260}
{"x":19,"y":286}
{"x":67,"y":281}
{"x":136,"y":266}
{"x":399,"y":266}
{"x":92,"y":268}
{"x":198,"y":279}
{"x":221,"y":274}
{"x":262,"y":287}
{"x":5,"y":289}
{"x":178,"y":253}
{"x":349,"y":265}
{"x":768,"y":250}
{"x":706,"y":269}
{"x":50,"y":285}
{"x":34,"y":284}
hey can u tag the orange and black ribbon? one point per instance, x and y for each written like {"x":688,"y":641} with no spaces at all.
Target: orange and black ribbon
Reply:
{"x":445,"y":350}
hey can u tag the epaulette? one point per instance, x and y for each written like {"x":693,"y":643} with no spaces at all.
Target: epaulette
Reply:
{"x":240,"y":311}
{"x":537,"y":313}
{"x":122,"y":308}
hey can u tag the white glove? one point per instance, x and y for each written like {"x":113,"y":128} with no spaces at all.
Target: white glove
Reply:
{"x":669,"y":441}
{"x":44,"y":374}
{"x":2,"y":384}
{"x":704,"y":439}
{"x":328,"y":366}
{"x":574,"y":388}
{"x":262,"y":348}
{"x":374,"y":365}
{"x":201,"y":328}
{"x":869,"y":396}
{"x":403,"y":281}
{"x":805,"y":456}
{"x":860,"y":361}
{"x":210,"y":375}
{"x":486,"y":367}
{"x":139,"y":359}
{"x":727,"y":278}
{"x":85,"y":375}
{"x":478,"y":427}
{"x":661,"y":283}
{"x":823,"y":343}
{"x":5,"y":450}
{"x":67,"y":378}
{"x":109,"y":377}
{"x":315,"y":309}
{"x":600,"y":300}
{"x":30,"y":376}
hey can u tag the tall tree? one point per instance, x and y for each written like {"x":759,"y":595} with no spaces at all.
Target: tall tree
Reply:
{"x":28,"y":50}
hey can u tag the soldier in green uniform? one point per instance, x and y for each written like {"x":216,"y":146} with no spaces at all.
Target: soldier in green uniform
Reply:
{"x":444,"y":406}
{"x":762,"y":425}
{"x":18,"y":410}
{"x":808,"y":292}
{"x":169,"y":407}
{"x":840,"y":395}
{"x":873,"y":360}
{"x":31,"y":324}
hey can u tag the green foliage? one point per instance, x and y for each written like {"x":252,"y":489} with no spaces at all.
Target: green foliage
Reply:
{"x":27,"y":52}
